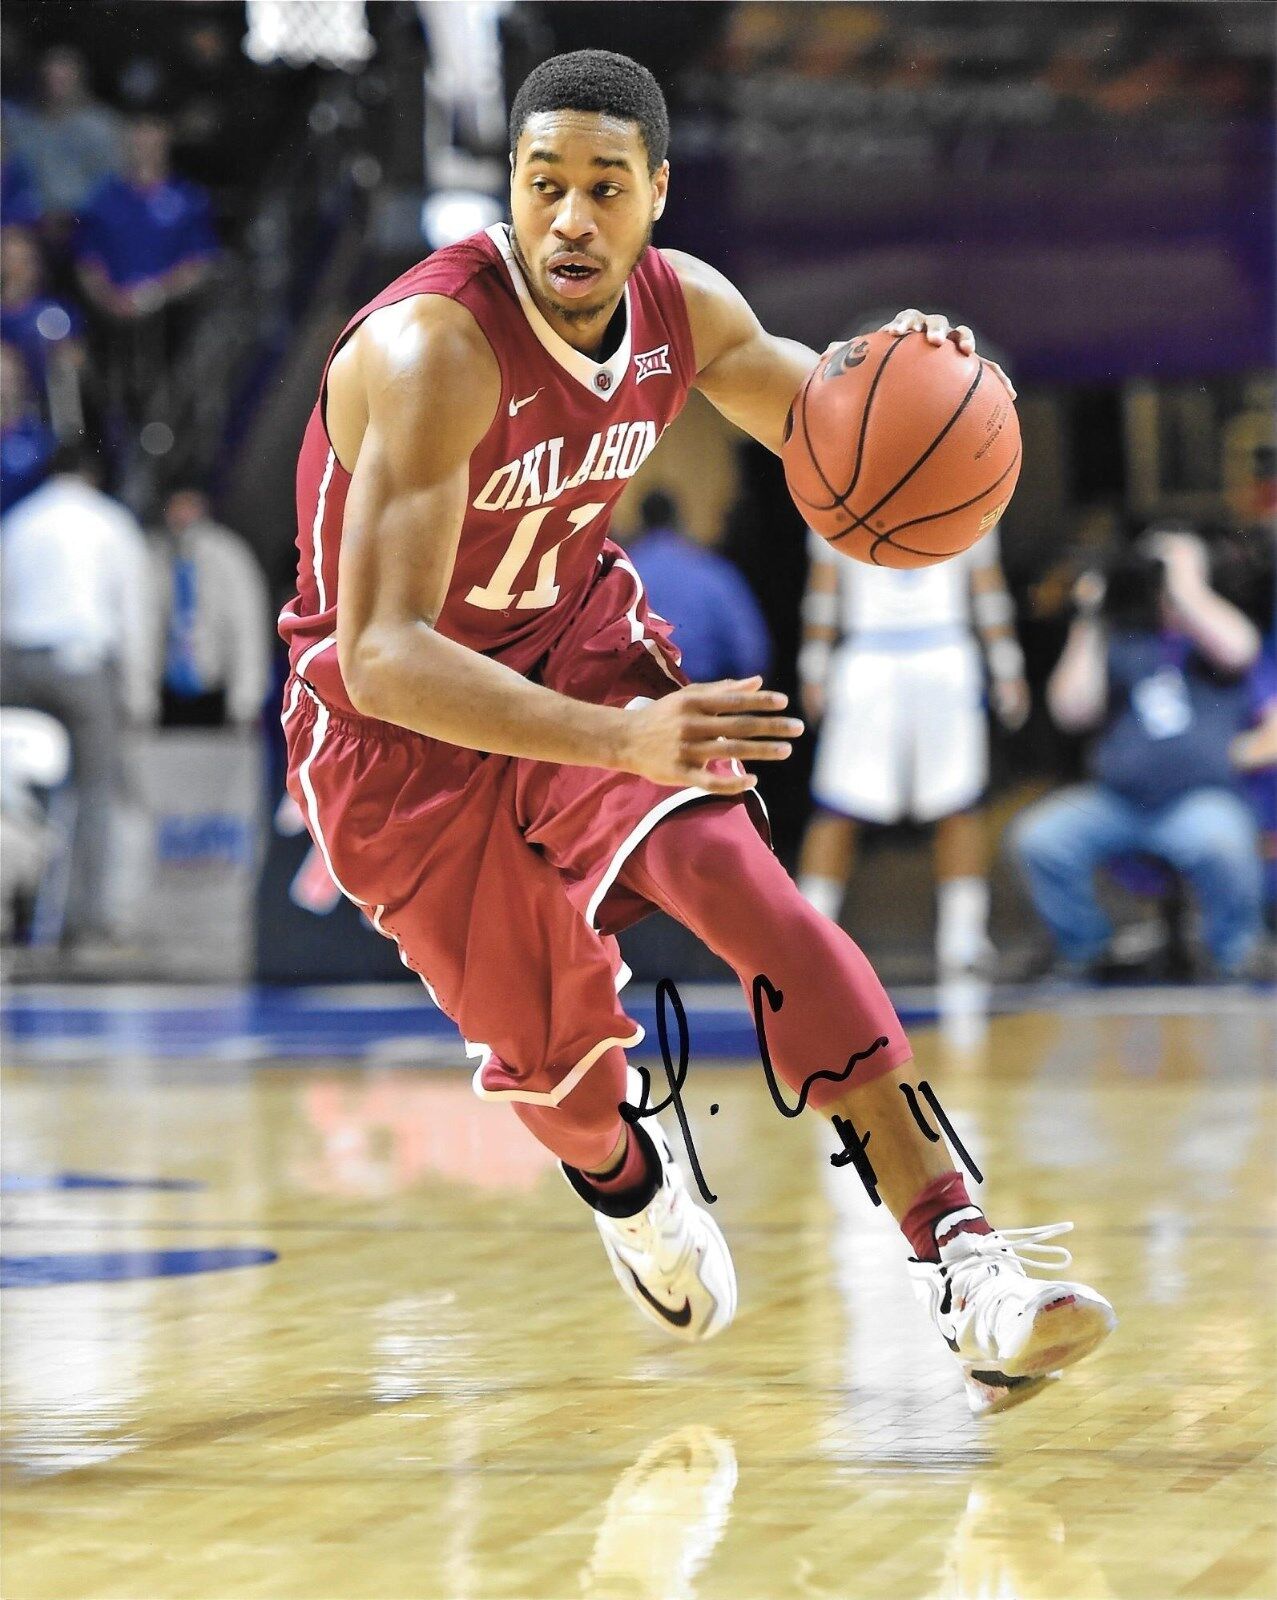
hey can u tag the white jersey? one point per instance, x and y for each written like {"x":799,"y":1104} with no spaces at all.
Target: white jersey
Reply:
{"x":906,"y":609}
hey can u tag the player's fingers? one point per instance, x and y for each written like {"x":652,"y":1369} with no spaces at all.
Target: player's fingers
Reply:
{"x":963,"y":337}
{"x":738,"y":750}
{"x":721,"y":782}
{"x":736,"y":727}
{"x":1010,"y":387}
{"x":723,"y":686}
{"x":906,"y":322}
{"x":936,"y":328}
{"x":716,"y":700}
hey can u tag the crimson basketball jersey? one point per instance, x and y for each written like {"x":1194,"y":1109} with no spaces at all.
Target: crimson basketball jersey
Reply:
{"x":568,"y":435}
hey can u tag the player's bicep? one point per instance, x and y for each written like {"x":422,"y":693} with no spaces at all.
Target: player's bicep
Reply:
{"x":408,"y":492}
{"x":399,"y":540}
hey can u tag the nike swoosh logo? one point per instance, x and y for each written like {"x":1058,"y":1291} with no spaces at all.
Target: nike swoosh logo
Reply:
{"x":517,"y":405}
{"x":679,"y":1318}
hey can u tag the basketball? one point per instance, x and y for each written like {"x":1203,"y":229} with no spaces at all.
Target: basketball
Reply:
{"x":901,"y":453}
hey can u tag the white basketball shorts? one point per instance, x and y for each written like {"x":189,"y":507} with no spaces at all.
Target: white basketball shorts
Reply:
{"x":904,"y":735}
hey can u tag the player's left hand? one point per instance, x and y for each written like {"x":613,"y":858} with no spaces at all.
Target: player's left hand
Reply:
{"x":1010,"y":697}
{"x":934,"y":327}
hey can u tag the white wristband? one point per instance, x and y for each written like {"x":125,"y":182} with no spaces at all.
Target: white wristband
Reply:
{"x":813,"y":661}
{"x":1005,"y":658}
{"x":992,"y":608}
{"x":820,"y":609}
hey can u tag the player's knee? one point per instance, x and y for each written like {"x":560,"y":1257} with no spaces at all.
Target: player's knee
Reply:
{"x":729,"y":853}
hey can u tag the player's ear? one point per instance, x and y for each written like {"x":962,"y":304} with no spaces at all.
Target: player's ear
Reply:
{"x":660,"y":187}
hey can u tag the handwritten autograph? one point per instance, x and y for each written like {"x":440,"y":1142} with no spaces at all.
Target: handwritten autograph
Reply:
{"x":855,"y":1144}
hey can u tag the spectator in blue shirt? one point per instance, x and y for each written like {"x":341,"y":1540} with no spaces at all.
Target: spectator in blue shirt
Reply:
{"x":1254,"y":755}
{"x":147,"y":239}
{"x":717,"y":622}
{"x":19,"y":198}
{"x":46,"y":331}
{"x":27,"y":443}
{"x":70,"y":142}
{"x":1158,"y":661}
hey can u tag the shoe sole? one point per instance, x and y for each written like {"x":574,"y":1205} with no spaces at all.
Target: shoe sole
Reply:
{"x":1004,"y":1397}
{"x":1064,"y":1331}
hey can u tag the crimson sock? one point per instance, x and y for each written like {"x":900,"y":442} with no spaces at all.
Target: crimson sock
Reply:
{"x":940,"y":1213}
{"x":628,"y":1173}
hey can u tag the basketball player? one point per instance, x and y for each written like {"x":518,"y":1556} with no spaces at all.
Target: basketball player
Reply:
{"x":498,"y":757}
{"x":903,"y":734}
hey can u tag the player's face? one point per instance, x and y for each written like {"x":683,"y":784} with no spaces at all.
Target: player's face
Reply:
{"x":583,"y":204}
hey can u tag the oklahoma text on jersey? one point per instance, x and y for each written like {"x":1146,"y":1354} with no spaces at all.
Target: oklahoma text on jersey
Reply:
{"x":536,"y":478}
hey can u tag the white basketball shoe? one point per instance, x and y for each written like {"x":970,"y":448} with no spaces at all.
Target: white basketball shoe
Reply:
{"x":669,"y":1256}
{"x":1011,"y":1333}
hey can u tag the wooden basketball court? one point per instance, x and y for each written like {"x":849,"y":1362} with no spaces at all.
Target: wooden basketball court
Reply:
{"x":334,"y":1328}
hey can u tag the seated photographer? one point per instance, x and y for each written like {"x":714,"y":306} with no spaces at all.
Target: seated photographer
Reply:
{"x":1157,"y":662}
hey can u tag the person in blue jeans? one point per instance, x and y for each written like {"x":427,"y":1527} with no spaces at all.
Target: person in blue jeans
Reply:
{"x":1157,"y":662}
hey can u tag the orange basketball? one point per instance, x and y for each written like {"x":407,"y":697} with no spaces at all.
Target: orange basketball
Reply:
{"x":900,"y":452}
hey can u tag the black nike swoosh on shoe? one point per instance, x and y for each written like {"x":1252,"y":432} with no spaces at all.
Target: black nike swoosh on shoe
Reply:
{"x":1003,"y":1380}
{"x":678,"y":1319}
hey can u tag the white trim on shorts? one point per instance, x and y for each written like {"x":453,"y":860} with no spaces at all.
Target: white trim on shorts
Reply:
{"x":312,"y":800}
{"x":552,"y":1097}
{"x":637,"y":634}
{"x":317,"y":530}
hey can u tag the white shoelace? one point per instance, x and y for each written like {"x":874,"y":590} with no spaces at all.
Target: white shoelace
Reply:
{"x":1029,"y":1247}
{"x":974,"y":1277}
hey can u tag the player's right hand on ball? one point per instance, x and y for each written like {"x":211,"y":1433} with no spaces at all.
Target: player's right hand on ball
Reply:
{"x":672,"y":740}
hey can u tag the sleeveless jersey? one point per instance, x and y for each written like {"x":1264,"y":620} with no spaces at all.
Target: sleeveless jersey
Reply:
{"x":568,"y":435}
{"x":910,"y":607}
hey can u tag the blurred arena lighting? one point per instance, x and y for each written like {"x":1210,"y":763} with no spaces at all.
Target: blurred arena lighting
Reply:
{"x":365,"y":172}
{"x":302,"y":33}
{"x":53,"y":323}
{"x":452,"y":214}
{"x":465,"y":121}
{"x":157,"y":438}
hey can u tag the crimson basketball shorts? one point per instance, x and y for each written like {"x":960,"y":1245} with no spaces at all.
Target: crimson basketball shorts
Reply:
{"x":496,"y":875}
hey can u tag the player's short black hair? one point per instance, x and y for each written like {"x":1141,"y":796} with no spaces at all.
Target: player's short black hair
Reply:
{"x":596,"y":80}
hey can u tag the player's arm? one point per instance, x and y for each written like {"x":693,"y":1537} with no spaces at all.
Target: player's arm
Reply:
{"x":748,"y":374}
{"x":752,"y":376}
{"x":993,"y":612}
{"x":409,"y":399}
{"x":820,"y":626}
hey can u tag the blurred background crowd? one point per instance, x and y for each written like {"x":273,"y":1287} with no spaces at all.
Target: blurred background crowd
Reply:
{"x":195,"y":196}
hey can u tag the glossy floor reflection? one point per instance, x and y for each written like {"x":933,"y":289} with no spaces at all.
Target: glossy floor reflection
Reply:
{"x":334,"y":1332}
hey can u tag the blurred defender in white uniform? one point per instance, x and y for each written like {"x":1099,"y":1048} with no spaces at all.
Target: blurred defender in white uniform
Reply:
{"x":891,"y":667}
